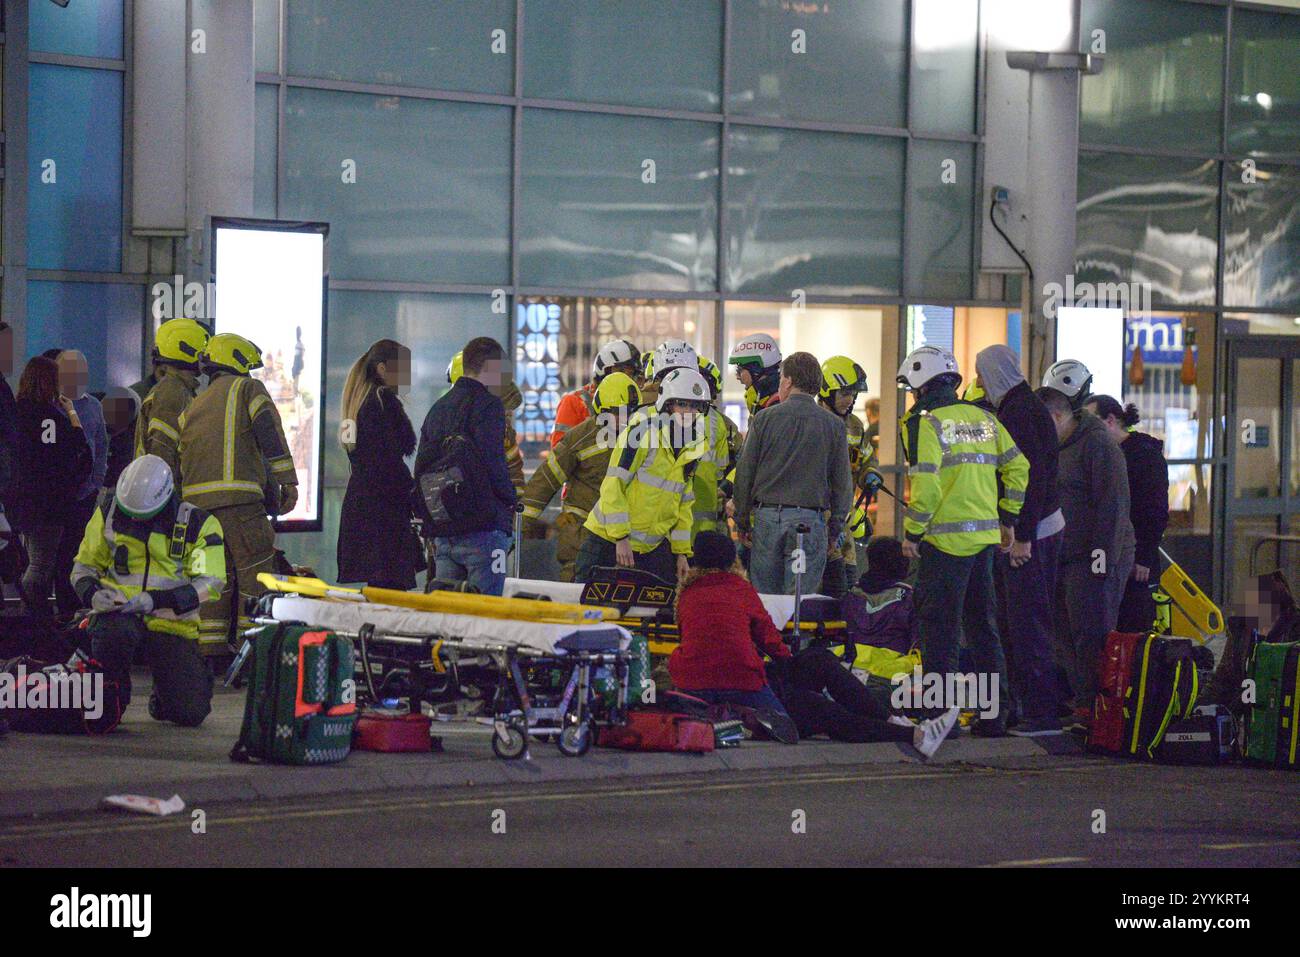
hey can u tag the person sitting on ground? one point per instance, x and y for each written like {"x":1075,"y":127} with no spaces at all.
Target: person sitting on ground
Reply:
{"x":880,"y":610}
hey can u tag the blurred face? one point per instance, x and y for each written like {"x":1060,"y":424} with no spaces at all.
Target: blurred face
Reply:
{"x":493,"y":375}
{"x":119,"y":410}
{"x":7,"y":352}
{"x":74,"y":374}
{"x":397,"y":373}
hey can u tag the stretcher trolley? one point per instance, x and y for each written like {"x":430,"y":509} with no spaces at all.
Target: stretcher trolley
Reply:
{"x":527,"y":679}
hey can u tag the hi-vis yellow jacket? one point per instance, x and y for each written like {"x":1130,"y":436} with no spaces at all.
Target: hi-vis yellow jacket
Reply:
{"x":157,"y":429}
{"x":956,"y":454}
{"x":646,"y":495}
{"x":233,"y":445}
{"x":723,"y":440}
{"x":180,"y":550}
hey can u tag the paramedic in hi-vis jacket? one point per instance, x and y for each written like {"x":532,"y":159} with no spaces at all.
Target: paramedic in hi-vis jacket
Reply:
{"x":236,"y":464}
{"x":146,"y":562}
{"x":955,"y":520}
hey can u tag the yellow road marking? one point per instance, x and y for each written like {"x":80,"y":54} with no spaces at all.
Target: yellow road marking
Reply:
{"x":1237,"y":847}
{"x":1037,"y":862}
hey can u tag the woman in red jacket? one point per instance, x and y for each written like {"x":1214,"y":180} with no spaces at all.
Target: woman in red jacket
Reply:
{"x":723,"y":624}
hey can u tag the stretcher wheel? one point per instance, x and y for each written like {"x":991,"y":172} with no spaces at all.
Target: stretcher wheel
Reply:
{"x":512,"y":746}
{"x":575,"y":740}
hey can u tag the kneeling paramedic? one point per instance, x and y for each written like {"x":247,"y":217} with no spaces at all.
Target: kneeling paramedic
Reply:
{"x":145,"y":564}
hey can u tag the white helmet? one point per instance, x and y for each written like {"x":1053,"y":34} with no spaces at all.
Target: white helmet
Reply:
{"x":758,"y":351}
{"x":924,"y":364}
{"x":1071,"y":378}
{"x":675,"y":354}
{"x":144,"y":487}
{"x":617,"y":352}
{"x":685,"y":385}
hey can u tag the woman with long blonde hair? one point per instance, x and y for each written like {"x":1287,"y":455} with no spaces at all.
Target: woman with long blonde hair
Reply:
{"x":376,"y":542}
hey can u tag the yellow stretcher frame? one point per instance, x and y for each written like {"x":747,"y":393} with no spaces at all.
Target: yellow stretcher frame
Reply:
{"x":1191,"y":614}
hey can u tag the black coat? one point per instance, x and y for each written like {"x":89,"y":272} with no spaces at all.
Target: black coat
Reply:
{"x":8,"y":435}
{"x":376,"y":543}
{"x":1148,"y":492}
{"x":47,"y":474}
{"x":1030,"y":426}
{"x":469,"y":407}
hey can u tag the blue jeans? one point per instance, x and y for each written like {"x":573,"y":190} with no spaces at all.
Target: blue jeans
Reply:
{"x":765,"y":699}
{"x":480,"y":557}
{"x":954,"y":593}
{"x":771,"y":566}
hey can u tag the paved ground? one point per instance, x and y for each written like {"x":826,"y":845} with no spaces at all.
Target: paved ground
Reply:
{"x":876,"y":816}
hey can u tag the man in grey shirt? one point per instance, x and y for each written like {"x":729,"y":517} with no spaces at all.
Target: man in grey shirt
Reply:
{"x":793,"y":469}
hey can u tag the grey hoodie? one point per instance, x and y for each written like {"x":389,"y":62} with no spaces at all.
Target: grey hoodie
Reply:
{"x":999,"y":370}
{"x":1093,"y":483}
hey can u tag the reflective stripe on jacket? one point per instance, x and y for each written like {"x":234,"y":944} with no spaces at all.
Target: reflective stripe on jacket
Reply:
{"x":722,"y":439}
{"x":157,"y":428}
{"x":647,"y":493}
{"x":955,"y":455}
{"x":580,"y":461}
{"x":177,"y":547}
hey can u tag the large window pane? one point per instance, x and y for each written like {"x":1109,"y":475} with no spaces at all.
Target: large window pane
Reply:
{"x":1163,"y":77}
{"x":945,"y":41}
{"x":821,"y":212}
{"x":266,"y":35}
{"x":557,"y":338}
{"x":1174,"y":389}
{"x":265,"y":137}
{"x":438,"y":44}
{"x":1148,"y":220}
{"x":1264,"y":83}
{"x":618,"y":202}
{"x":103,"y":320}
{"x":1262,"y":235}
{"x":612,"y":51}
{"x":74,"y":161}
{"x":431,"y":197}
{"x":841,"y":61}
{"x":940,"y":196}
{"x":83,"y":28}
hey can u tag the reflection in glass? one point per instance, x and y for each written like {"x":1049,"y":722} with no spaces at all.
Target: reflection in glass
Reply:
{"x":100,"y":319}
{"x":1262,"y":236}
{"x":821,"y":212}
{"x":940,"y":195}
{"x":1258,"y":457}
{"x":265,"y":133}
{"x":945,"y":44}
{"x":618,"y":201}
{"x":1148,"y":220}
{"x":1163,"y":77}
{"x":414,"y":190}
{"x":1264,"y":83}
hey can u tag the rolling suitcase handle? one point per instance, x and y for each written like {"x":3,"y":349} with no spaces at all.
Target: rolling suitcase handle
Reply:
{"x":796,"y":638}
{"x":519,"y":521}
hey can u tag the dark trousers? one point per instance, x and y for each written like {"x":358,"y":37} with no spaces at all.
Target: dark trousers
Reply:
{"x":182,"y":681}
{"x":955,"y":593}
{"x":73,"y":530}
{"x":849,"y":714}
{"x":835,"y":581}
{"x":1137,"y":609}
{"x":597,"y":552}
{"x":1029,"y":606}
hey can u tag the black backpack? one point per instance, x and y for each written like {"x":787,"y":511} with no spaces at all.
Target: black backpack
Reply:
{"x":454,"y":488}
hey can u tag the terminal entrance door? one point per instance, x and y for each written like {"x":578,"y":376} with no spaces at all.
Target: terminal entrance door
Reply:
{"x":1262,"y":500}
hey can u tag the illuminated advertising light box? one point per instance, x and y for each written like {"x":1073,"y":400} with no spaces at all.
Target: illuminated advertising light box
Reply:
{"x":1096,"y":338}
{"x":270,"y":282}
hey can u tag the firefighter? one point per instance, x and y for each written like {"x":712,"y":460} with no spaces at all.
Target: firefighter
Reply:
{"x":579,"y":464}
{"x":723,"y":438}
{"x":145,"y":564}
{"x":177,"y":347}
{"x":511,"y":399}
{"x":1071,"y":378}
{"x":757,"y":360}
{"x":237,"y":465}
{"x":646,"y":506}
{"x":842,"y":381}
{"x":664,"y":358}
{"x":617,"y":355}
{"x":955,"y":520}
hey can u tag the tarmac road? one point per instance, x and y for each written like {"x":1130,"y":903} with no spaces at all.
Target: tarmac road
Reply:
{"x":1047,"y":815}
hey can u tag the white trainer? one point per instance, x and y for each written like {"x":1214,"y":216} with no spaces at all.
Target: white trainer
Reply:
{"x":930,"y":734}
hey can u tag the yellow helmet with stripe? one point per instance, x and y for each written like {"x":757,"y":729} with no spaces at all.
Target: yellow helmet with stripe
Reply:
{"x":180,"y":341}
{"x":232,"y":353}
{"x":712,"y":375}
{"x":455,"y":367}
{"x":841,"y":372}
{"x":616,"y":391}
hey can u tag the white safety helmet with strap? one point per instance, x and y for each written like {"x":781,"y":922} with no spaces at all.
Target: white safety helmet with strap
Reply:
{"x":683,"y":385}
{"x":924,"y":364}
{"x":674,"y":354}
{"x":1071,"y":378}
{"x":619,"y":352}
{"x":144,"y":487}
{"x":756,"y":352}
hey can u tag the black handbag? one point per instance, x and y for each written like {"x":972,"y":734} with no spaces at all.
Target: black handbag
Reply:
{"x":453,"y":489}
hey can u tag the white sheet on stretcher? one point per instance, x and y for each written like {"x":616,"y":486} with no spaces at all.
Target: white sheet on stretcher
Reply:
{"x":780,"y":607}
{"x":473,"y":631}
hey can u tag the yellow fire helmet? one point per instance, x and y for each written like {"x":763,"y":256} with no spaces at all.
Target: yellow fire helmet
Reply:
{"x":455,"y":367}
{"x":616,"y":391}
{"x":712,"y":375}
{"x":841,"y":372}
{"x":181,"y":341}
{"x":232,"y":353}
{"x":647,"y":365}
